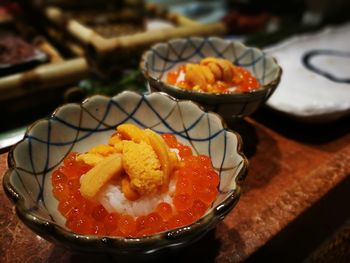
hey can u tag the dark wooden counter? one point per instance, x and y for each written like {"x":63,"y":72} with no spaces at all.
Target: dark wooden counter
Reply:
{"x":292,"y":167}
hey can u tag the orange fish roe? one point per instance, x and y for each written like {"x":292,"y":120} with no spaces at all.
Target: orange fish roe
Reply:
{"x":242,"y":81}
{"x":196,"y":189}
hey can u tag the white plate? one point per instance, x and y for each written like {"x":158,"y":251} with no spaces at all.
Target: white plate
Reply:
{"x":315,"y":84}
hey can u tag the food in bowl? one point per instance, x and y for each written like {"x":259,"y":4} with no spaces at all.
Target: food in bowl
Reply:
{"x":138,"y":184}
{"x":216,"y":75}
{"x":166,"y":57}
{"x":80,"y":127}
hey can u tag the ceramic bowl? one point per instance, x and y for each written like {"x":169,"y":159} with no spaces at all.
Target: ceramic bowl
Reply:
{"x":164,"y":57}
{"x":75,"y":127}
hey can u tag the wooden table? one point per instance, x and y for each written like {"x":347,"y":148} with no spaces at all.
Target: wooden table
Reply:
{"x":293,"y":168}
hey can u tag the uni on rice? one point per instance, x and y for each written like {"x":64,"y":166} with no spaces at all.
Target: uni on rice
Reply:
{"x":138,"y":184}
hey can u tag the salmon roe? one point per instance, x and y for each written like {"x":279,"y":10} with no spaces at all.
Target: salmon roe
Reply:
{"x":242,"y":81}
{"x":196,"y":189}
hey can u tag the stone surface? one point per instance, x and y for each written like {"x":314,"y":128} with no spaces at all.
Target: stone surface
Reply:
{"x":291,"y":168}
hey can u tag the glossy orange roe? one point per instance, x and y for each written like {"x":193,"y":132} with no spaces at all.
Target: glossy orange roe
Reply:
{"x":196,"y":189}
{"x":243,"y":81}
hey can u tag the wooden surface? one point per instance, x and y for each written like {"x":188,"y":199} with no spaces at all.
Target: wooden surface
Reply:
{"x":292,"y":166}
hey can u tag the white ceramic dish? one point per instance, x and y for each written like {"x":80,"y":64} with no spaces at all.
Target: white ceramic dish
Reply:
{"x":315,"y":86}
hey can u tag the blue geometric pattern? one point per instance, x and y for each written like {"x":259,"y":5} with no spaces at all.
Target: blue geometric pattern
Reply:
{"x":164,"y":57}
{"x":74,"y":127}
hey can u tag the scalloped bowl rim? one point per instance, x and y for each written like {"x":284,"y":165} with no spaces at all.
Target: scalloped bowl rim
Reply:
{"x":206,"y":222}
{"x":207,"y":95}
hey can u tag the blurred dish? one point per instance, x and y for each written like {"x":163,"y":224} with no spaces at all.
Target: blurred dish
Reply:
{"x":15,"y":51}
{"x":316,"y":84}
{"x":165,"y":57}
{"x":11,"y":137}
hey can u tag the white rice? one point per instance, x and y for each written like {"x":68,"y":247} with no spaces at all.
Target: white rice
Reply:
{"x":113,"y":200}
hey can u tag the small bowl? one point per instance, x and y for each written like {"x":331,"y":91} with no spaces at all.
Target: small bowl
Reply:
{"x":75,"y":127}
{"x":165,"y":57}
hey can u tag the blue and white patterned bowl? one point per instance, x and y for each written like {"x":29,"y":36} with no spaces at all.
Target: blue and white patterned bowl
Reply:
{"x":75,"y":127}
{"x":164,"y":57}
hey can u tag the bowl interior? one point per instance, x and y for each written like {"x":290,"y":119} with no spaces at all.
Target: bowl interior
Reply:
{"x":164,"y":57}
{"x":74,"y":127}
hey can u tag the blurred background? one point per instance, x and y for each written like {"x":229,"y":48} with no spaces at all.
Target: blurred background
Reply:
{"x":59,"y":51}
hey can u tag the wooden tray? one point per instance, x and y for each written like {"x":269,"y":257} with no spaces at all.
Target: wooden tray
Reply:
{"x":108,"y":52}
{"x":57,"y":72}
